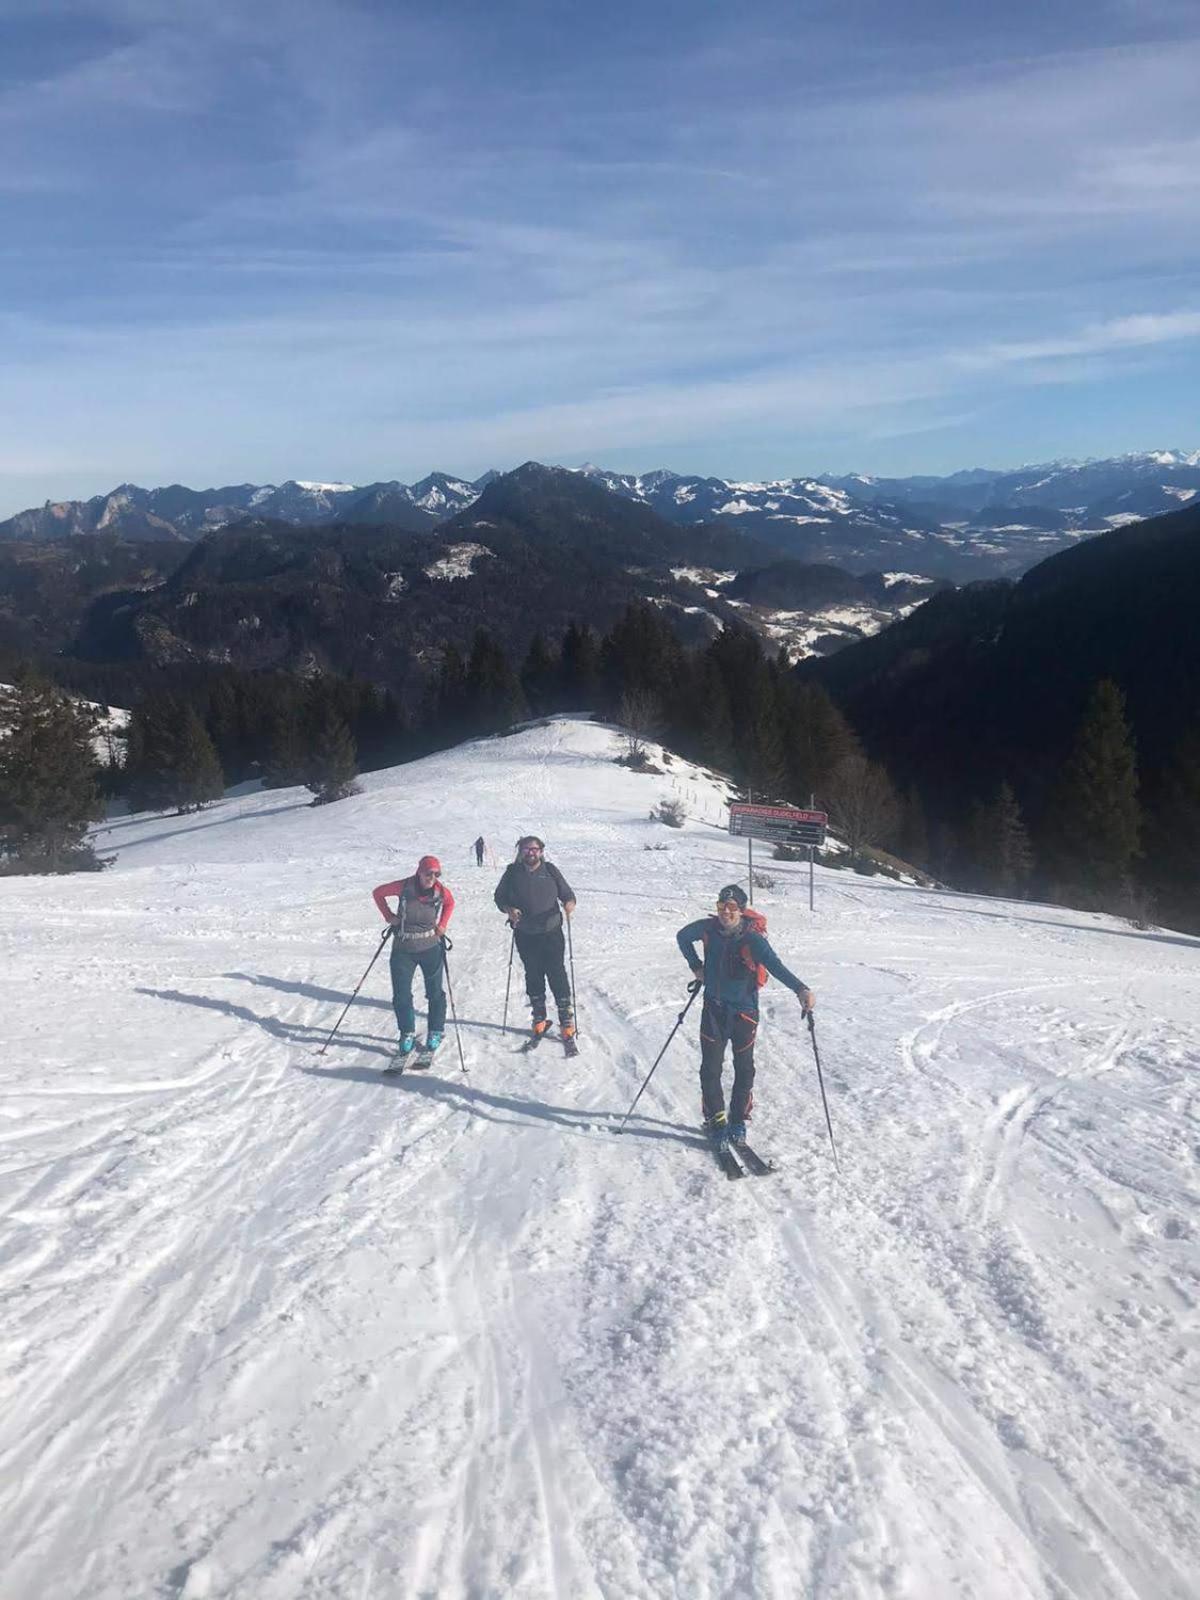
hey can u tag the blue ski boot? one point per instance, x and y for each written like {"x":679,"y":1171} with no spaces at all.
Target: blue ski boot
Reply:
{"x":424,"y":1056}
{"x":404,"y":1050}
{"x":737,"y":1133}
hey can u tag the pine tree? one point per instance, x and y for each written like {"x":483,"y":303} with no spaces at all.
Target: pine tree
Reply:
{"x":286,"y":756}
{"x":49,"y":778}
{"x":540,"y":677}
{"x":913,"y":838}
{"x":945,"y":851}
{"x":766,"y":763}
{"x":580,"y":669}
{"x":1173,"y":837}
{"x":446,"y":719}
{"x":226,"y":728}
{"x":172,"y":764}
{"x":817,"y":738}
{"x":380,"y":734}
{"x":494,"y":697}
{"x":198,"y":778}
{"x":153,"y":752}
{"x":1095,"y":828}
{"x":716,"y":731}
{"x":330,"y":758}
{"x":975,"y":866}
{"x":1012,"y":852}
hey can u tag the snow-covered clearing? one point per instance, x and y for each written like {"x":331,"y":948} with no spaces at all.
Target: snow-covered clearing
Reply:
{"x":275,"y":1326}
{"x":458,"y":561}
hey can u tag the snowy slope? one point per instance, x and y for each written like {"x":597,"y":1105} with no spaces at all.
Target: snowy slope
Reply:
{"x":277,"y":1327}
{"x":111,"y":729}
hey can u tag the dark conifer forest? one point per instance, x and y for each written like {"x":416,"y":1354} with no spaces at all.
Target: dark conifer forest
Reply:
{"x":1032,"y":738}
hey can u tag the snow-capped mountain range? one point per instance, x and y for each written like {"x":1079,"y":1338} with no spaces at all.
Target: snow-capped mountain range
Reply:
{"x":1127,"y":487}
{"x":178,"y":513}
{"x":971,"y":524}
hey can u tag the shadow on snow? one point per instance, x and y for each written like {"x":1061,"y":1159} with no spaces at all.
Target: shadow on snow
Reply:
{"x":475,"y":1101}
{"x":483,"y":1103}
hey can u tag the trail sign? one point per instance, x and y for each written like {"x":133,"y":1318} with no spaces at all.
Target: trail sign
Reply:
{"x":787,"y":825}
{"x":778,"y":824}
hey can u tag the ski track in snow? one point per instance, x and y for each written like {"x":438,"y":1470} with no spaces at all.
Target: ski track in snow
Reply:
{"x":277,"y":1326}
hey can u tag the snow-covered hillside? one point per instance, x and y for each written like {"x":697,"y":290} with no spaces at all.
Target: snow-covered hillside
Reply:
{"x":278,"y":1327}
{"x":112,"y":728}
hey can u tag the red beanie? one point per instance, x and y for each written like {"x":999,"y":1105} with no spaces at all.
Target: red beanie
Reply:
{"x":429,"y":864}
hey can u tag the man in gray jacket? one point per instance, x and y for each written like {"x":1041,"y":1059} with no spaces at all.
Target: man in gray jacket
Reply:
{"x":529,"y":894}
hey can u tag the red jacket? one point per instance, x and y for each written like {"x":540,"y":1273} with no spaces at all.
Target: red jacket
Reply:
{"x":440,"y":893}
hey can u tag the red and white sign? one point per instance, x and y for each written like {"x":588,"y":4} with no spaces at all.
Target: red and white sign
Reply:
{"x":778,"y":816}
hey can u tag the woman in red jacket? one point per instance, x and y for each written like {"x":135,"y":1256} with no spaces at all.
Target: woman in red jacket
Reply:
{"x":424,"y":906}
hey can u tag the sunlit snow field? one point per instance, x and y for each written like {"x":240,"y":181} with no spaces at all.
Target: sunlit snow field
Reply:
{"x":274,"y":1326}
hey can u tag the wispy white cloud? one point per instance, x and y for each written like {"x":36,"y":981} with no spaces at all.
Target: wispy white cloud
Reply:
{"x":355,"y":226}
{"x":1121,"y":333}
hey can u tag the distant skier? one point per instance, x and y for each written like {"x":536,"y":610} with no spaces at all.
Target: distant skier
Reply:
{"x":424,"y":907}
{"x":479,"y":849}
{"x":529,"y":893}
{"x":735,"y":948}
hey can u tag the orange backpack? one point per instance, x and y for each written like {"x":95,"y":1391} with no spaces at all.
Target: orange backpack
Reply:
{"x":756,"y":923}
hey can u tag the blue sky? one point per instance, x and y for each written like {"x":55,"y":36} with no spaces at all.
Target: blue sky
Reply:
{"x":291,"y":238}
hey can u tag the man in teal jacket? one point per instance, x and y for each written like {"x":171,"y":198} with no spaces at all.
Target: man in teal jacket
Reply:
{"x":734,"y":947}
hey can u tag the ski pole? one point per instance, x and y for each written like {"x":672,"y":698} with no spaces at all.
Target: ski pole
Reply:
{"x":574,"y":1001}
{"x":812,"y":1033}
{"x":694,"y":989}
{"x":512,"y":946}
{"x":387,"y":933}
{"x":446,"y":945}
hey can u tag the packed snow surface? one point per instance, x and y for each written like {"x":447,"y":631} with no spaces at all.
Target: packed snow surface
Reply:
{"x":277,"y":1326}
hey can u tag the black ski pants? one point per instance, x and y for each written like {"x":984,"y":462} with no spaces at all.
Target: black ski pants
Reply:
{"x":721,"y":1024}
{"x":542,"y":956}
{"x":404,"y":969}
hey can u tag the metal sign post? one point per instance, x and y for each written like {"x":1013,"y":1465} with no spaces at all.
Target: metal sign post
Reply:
{"x":787,"y":825}
{"x":812,"y":856}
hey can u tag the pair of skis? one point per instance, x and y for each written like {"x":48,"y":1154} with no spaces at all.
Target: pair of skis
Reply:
{"x":418,"y":1060}
{"x":570,"y":1046}
{"x":737,"y":1160}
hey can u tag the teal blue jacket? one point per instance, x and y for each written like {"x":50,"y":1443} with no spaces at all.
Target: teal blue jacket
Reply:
{"x":729,"y":979}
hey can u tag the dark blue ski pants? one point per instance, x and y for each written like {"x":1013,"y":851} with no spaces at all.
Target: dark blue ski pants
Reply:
{"x":404,"y":968}
{"x":720,"y":1024}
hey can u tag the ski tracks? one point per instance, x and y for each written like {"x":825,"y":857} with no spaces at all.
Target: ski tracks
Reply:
{"x":1005,"y":1131}
{"x":177,"y":1267}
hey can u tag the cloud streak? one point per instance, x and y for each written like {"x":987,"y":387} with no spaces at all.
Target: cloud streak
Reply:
{"x":248,"y":238}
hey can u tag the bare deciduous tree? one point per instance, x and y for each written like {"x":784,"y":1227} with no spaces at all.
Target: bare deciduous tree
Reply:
{"x":641,"y":719}
{"x":862,"y":803}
